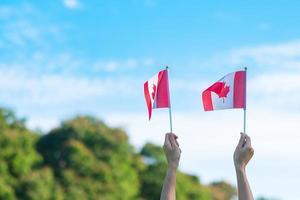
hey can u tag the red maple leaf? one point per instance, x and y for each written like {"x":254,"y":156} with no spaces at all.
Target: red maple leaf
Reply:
{"x":221,"y":89}
{"x":154,"y":91}
{"x":224,"y":91}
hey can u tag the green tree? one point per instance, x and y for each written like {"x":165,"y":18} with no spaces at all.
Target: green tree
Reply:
{"x":40,"y":185}
{"x":222,"y":190}
{"x":6,"y":191}
{"x":18,"y":156}
{"x":92,"y":159}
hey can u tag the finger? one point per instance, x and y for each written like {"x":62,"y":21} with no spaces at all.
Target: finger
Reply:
{"x":242,"y":140}
{"x":167,"y":141}
{"x":252,"y":151}
{"x":173,"y":141}
{"x":248,"y":141}
{"x":177,"y":142}
{"x":176,"y":137}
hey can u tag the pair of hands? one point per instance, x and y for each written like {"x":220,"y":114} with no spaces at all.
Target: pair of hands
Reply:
{"x":242,"y":154}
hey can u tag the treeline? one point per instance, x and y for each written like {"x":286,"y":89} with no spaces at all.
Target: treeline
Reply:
{"x":84,"y":159}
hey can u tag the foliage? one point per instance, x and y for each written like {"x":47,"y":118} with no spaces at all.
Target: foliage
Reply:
{"x":85,"y":159}
{"x":91,"y":159}
{"x":222,"y":190}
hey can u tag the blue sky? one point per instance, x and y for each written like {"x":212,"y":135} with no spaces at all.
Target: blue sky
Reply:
{"x":65,"y":57}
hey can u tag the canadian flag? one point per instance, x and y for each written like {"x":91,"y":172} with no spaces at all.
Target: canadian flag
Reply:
{"x":156,"y":91}
{"x":228,"y":92}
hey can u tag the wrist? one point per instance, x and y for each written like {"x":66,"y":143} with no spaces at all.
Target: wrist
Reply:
{"x":173,"y":166}
{"x":240,"y":168}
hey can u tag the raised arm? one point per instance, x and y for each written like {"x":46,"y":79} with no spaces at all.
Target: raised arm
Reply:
{"x":172,"y":152}
{"x":242,"y":155}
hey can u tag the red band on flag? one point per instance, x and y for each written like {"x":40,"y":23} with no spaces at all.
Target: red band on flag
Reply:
{"x":239,"y":97}
{"x":162,"y":97}
{"x":148,"y":100}
{"x":206,"y":99}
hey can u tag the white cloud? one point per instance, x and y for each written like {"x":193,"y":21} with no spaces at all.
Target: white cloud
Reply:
{"x":278,"y":57}
{"x":190,"y":86}
{"x":132,"y":63}
{"x":117,"y":64}
{"x":20,"y":86}
{"x":216,"y":133}
{"x":71,"y":4}
{"x":111,"y":66}
{"x":148,"y":62}
{"x":107,"y":66}
{"x":28,"y":34}
{"x":285,"y":49}
{"x":281,"y":56}
{"x":275,"y":91}
{"x":276,"y":84}
{"x":43,"y":124}
{"x":20,"y":29}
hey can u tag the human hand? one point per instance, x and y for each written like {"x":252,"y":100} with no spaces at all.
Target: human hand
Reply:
{"x":172,"y":150}
{"x":243,"y":152}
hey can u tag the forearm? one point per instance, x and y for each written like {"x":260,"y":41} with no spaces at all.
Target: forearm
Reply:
{"x":169,"y":186}
{"x":244,"y":190}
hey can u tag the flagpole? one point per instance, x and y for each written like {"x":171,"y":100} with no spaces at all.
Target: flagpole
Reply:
{"x":244,"y":120}
{"x":170,"y":110}
{"x":245,"y":99}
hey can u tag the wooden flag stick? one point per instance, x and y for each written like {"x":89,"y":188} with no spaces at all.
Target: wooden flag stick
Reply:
{"x":170,"y":110}
{"x":245,"y":99}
